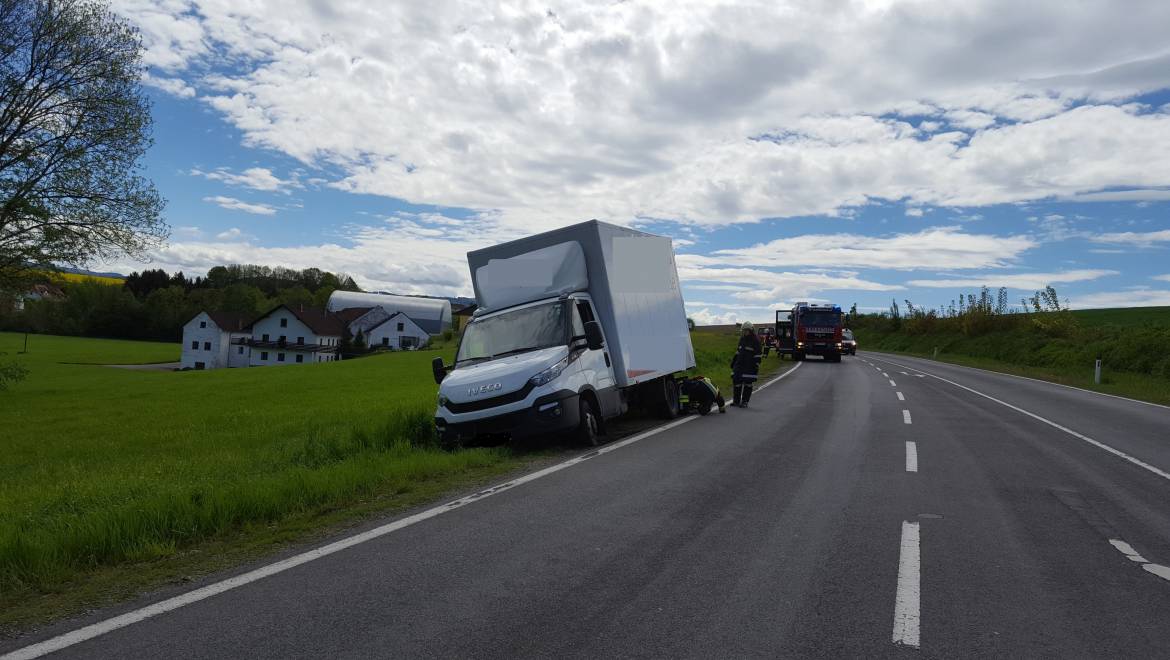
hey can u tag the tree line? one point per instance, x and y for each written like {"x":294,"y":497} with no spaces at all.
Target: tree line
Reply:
{"x":155,"y":304}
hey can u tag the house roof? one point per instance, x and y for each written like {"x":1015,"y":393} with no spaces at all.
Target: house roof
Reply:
{"x":319,"y":320}
{"x":351,"y":314}
{"x":231,"y":321}
{"x":394,"y":316}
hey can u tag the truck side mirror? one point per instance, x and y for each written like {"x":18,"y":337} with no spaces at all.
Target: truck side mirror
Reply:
{"x":593,"y":336}
{"x":439,"y":370}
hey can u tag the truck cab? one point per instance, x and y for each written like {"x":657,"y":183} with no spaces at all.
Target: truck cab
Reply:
{"x":531,"y":369}
{"x":817,"y":331}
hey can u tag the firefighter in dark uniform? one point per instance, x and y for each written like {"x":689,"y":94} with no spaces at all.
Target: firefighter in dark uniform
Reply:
{"x":745,"y":366}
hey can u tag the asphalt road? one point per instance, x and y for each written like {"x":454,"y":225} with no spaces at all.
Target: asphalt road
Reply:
{"x":804,"y":526}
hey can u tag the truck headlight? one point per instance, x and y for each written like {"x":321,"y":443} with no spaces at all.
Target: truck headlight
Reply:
{"x":549,"y":374}
{"x":443,"y":400}
{"x":800,"y":344}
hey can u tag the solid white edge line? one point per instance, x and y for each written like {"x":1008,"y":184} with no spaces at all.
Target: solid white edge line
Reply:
{"x":100,"y":628}
{"x":1127,"y":550}
{"x":1100,"y":445}
{"x":906,"y":416}
{"x":901,"y":397}
{"x":911,"y":456}
{"x":1043,"y":382}
{"x":906,"y":602}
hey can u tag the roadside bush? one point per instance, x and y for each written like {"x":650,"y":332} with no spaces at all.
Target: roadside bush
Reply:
{"x":10,"y":373}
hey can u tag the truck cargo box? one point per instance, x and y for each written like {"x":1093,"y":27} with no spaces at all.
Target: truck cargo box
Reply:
{"x":630,"y":275}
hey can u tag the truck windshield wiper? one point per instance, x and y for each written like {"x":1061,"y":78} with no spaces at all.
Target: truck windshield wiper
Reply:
{"x":514,"y":351}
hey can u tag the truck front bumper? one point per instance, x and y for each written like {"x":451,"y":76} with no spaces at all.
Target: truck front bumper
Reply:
{"x":552,"y":413}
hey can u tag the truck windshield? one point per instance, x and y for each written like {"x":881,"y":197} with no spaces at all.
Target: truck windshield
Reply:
{"x":517,"y":331}
{"x":820,"y":319}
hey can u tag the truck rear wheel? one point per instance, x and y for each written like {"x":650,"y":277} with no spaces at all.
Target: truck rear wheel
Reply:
{"x":668,"y":406}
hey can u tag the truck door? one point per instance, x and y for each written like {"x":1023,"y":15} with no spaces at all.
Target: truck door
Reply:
{"x":596,"y":365}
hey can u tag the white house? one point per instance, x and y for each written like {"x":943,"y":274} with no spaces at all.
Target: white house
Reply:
{"x":213,"y":340}
{"x":361,"y":318}
{"x":397,"y":331}
{"x":288,"y":335}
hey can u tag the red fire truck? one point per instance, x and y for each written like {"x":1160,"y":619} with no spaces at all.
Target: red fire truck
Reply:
{"x":815,"y":330}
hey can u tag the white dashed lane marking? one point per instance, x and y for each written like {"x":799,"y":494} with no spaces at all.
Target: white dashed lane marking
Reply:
{"x":906,"y":416}
{"x":906,"y":602}
{"x":900,"y":397}
{"x":911,"y":457}
{"x":893,"y":384}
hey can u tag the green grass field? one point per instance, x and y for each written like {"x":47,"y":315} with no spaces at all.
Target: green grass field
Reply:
{"x":107,"y":469}
{"x":1126,"y":316}
{"x":105,"y":466}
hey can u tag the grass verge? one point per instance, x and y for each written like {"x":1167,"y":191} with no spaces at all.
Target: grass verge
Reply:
{"x":1118,"y":383}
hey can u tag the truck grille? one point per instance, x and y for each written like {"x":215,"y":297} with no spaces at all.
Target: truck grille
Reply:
{"x":490,"y":402}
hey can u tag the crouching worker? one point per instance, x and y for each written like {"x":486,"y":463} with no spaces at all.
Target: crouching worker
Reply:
{"x":701,"y":394}
{"x":745,"y":366}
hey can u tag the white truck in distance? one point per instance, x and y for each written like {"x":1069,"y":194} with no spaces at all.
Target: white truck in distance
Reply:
{"x":573,"y":326}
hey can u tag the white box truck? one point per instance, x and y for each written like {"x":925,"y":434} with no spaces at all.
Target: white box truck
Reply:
{"x":573,"y":326}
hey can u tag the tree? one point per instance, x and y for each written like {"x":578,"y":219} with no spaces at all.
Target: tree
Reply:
{"x":74,"y":125}
{"x":142,"y":284}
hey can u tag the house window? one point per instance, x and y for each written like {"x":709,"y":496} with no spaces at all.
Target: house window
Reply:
{"x":300,"y":358}
{"x":385,"y":341}
{"x":241,"y":350}
{"x":200,"y":365}
{"x":280,"y":357}
{"x":401,"y":327}
{"x":264,"y":355}
{"x":194,"y":345}
{"x":207,"y":346}
{"x":284,"y":323}
{"x":283,"y":339}
{"x":203,"y":324}
{"x":264,"y":338}
{"x":300,"y":341}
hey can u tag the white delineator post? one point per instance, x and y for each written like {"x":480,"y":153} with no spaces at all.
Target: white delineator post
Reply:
{"x":1097,"y":372}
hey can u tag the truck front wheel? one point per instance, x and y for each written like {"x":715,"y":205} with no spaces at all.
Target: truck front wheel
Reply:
{"x":589,"y":428}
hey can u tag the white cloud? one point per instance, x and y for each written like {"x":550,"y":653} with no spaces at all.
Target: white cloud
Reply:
{"x":914,"y":212}
{"x":233,"y":204}
{"x":1025,"y":281}
{"x":970,"y":119}
{"x":1123,"y":196}
{"x":174,"y":86}
{"x":704,"y":316}
{"x":230,"y":235}
{"x":553,"y":112}
{"x":255,"y":178}
{"x":1141,"y":297}
{"x":1137,"y":239}
{"x":935,"y":248}
{"x":1164,"y":278}
{"x":401,"y":255}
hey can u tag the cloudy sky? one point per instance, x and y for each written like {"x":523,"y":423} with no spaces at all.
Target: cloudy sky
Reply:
{"x":827,"y":150}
